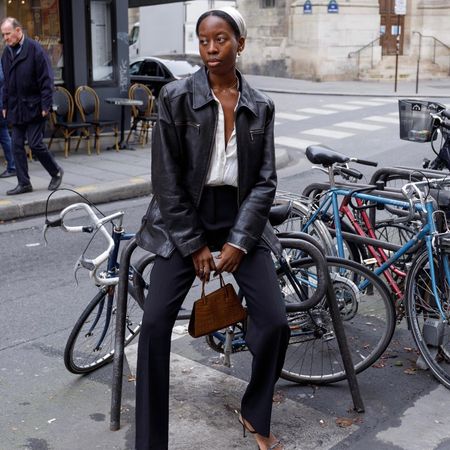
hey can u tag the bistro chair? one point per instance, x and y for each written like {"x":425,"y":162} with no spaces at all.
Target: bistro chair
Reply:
{"x":143,"y":114}
{"x":88,"y":105}
{"x":61,"y":119}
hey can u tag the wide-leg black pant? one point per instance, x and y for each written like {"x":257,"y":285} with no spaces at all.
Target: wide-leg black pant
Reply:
{"x":267,"y":338}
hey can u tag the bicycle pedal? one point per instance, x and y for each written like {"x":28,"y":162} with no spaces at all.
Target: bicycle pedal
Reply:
{"x":370,"y":262}
{"x":328,"y":336}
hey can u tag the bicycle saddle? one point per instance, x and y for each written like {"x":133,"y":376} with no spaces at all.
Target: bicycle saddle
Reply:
{"x":279,"y":213}
{"x":446,"y":113}
{"x":321,"y":154}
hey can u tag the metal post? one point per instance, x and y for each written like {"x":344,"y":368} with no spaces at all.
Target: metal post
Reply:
{"x":122,"y":294}
{"x":418,"y":60}
{"x":335,"y":313}
{"x":397,"y":51}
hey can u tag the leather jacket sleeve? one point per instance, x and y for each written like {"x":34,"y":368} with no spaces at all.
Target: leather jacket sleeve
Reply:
{"x":254,"y":210}
{"x":175,"y":205}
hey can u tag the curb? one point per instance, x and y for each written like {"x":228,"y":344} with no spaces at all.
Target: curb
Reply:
{"x":96,"y":193}
{"x":124,"y":189}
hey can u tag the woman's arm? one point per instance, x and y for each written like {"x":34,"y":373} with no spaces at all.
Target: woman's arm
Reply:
{"x":254,"y":210}
{"x":178,"y":213}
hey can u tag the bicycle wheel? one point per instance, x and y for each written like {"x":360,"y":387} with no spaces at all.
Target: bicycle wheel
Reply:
{"x":91,"y":342}
{"x":368,"y":315}
{"x":431,"y":333}
{"x":297,"y":219}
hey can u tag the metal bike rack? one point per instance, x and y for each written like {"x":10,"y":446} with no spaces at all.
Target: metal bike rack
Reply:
{"x":122,"y":291}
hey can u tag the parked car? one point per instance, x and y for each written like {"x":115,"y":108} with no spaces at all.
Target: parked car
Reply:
{"x":155,"y":72}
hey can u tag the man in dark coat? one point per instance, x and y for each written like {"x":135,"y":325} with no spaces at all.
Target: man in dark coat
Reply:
{"x":27,"y":100}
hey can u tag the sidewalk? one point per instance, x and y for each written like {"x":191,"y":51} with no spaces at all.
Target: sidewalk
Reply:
{"x":113,"y":176}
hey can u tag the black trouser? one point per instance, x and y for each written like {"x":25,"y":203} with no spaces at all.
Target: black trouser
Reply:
{"x":267,"y":334}
{"x":34,"y":133}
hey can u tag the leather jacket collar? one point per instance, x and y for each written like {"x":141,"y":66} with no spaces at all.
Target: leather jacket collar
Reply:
{"x":202,"y":92}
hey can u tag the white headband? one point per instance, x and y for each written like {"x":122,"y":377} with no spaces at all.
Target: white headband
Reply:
{"x":237,"y":18}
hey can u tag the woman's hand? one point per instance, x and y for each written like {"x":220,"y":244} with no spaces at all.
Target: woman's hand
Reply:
{"x":203,"y":263}
{"x":229,"y":259}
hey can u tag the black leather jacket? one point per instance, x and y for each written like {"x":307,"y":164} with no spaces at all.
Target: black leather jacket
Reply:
{"x":182,"y":145}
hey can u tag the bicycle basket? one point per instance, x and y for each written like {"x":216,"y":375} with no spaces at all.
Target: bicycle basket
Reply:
{"x":416,"y":123}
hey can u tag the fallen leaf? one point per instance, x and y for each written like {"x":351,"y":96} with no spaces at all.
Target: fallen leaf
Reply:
{"x":278,"y":397}
{"x":398,"y":363}
{"x":410,"y":371}
{"x":344,"y":422}
{"x":379,"y":365}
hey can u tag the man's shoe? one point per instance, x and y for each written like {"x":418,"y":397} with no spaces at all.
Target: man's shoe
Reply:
{"x":56,"y":180}
{"x":19,"y":189}
{"x":7,"y":174}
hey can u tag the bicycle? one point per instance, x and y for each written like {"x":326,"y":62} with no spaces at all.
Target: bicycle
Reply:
{"x":426,"y":286}
{"x":90,"y":344}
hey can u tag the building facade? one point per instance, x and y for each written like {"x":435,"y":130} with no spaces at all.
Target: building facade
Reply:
{"x":346,"y":39}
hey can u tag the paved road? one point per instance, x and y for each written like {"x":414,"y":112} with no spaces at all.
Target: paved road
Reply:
{"x":45,"y":407}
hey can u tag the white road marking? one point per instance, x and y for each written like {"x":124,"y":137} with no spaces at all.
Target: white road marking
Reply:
{"x":343,"y":107}
{"x":359,"y":126}
{"x":327,"y":132}
{"x":366,"y":103}
{"x":289,"y":116}
{"x":383,"y":119}
{"x":395,"y":114}
{"x":299,"y":144}
{"x":316,"y":111}
{"x":427,"y":421}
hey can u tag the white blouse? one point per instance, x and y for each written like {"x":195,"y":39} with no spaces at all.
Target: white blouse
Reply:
{"x":223,"y":168}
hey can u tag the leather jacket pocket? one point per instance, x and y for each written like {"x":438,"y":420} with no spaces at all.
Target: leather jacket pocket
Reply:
{"x":256,"y":134}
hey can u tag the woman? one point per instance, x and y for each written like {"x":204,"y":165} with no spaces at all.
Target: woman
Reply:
{"x":213,"y":176}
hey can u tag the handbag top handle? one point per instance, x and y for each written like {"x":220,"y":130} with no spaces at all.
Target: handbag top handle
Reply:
{"x":222,"y":284}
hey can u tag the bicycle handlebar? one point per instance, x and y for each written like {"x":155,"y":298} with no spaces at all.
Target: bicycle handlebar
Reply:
{"x":364,"y":162}
{"x":98,"y":224}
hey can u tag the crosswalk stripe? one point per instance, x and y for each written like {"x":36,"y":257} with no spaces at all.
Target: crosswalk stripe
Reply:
{"x":359,"y":126}
{"x":384,"y":119}
{"x":366,"y":103}
{"x":384,"y":100}
{"x":317,"y":111}
{"x":327,"y":132}
{"x":299,"y":144}
{"x":343,"y":107}
{"x":289,"y":116}
{"x":393,"y":114}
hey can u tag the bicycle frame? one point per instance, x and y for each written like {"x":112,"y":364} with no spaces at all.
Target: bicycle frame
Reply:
{"x":330,"y":202}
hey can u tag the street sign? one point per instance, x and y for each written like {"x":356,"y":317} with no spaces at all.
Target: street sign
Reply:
{"x":333,"y":7}
{"x":307,"y":7}
{"x":400,"y":7}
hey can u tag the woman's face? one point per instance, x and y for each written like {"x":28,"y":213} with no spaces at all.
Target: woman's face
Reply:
{"x":218,"y":45}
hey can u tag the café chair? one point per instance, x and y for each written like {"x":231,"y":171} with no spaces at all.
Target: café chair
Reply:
{"x":143,"y":114}
{"x":88,"y":105}
{"x":61,"y":118}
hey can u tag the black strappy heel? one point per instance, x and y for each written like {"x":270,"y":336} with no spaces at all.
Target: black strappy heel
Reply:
{"x":245,"y":427}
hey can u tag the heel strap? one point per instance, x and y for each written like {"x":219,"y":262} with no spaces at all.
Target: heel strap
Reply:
{"x":276,"y":445}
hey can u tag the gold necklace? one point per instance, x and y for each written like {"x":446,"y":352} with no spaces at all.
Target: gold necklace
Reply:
{"x":228,"y":89}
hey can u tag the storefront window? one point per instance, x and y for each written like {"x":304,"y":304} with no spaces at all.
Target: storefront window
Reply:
{"x":101,"y":49}
{"x":41,"y":21}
